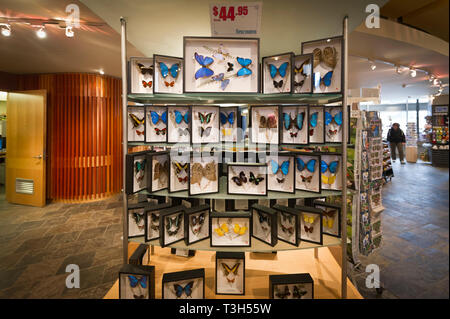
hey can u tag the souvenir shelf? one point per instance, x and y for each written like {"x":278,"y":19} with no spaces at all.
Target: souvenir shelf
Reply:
{"x":232,"y":100}
{"x":439,"y":136}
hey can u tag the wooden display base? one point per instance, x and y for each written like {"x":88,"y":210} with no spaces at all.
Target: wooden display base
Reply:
{"x":324,"y":270}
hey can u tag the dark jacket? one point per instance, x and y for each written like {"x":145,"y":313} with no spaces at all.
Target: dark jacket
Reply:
{"x":396,"y":136}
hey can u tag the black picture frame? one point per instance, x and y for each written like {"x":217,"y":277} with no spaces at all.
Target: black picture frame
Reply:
{"x":338,"y":172}
{"x":167,"y":213}
{"x":254,"y":108}
{"x":320,"y":119}
{"x":325,"y":205}
{"x":230,"y":166}
{"x":129,"y":166}
{"x":205,"y":208}
{"x":317,"y":171}
{"x":217,"y":161}
{"x":306,"y":124}
{"x":219,"y":39}
{"x":262,"y":156}
{"x":186,"y":160}
{"x":148,"y":110}
{"x":170,"y":127}
{"x":173,"y":277}
{"x":142,"y":109}
{"x":156,"y":57}
{"x":221,"y":255}
{"x":288,"y":211}
{"x":149,"y":210}
{"x":131,"y":62}
{"x":303,"y":57}
{"x":237,"y":120}
{"x":290,"y":279}
{"x":150,"y":157}
{"x":229,"y":215}
{"x":302,"y":226}
{"x":130,"y":209}
{"x":138,"y":270}
{"x":290,"y":57}
{"x":327,"y":138}
{"x":215,"y":128}
{"x":272,"y":217}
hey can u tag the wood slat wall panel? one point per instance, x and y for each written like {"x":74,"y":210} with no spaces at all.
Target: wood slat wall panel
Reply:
{"x":84,"y":134}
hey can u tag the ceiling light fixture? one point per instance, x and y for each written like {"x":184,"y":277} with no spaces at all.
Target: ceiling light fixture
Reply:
{"x":69,"y":31}
{"x":41,"y":32}
{"x":413,"y":73}
{"x":398,"y":70}
{"x":101,"y":71}
{"x":373,"y":66}
{"x":6,"y":30}
{"x":436,"y":82}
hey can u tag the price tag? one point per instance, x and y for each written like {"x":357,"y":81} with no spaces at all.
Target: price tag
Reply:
{"x":237,"y":20}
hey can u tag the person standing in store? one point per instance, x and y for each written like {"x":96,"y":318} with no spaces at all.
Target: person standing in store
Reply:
{"x":397,"y":139}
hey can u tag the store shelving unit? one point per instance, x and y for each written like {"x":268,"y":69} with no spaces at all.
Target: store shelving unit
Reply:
{"x":249,"y":100}
{"x":439,"y":140}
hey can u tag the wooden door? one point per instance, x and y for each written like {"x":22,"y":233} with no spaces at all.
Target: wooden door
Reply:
{"x":26,"y":152}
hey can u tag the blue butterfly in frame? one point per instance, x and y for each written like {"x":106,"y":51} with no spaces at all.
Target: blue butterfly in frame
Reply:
{"x":313,"y":119}
{"x":337,"y":118}
{"x":310,"y":166}
{"x":134,"y":281}
{"x":325,"y":80}
{"x":289,"y":122}
{"x":179,"y":117}
{"x":281,"y":70}
{"x":224,"y":82}
{"x":284,"y":167}
{"x":204,"y":71}
{"x":165,"y":70}
{"x":224,"y":118}
{"x":244,"y":63}
{"x":156,"y":117}
{"x":186,"y":289}
{"x":332,"y":167}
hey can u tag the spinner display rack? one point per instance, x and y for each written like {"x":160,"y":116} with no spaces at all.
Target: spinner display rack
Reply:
{"x":249,"y":99}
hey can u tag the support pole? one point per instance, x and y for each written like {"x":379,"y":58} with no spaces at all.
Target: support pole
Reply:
{"x":344,"y":166}
{"x":123,"y":51}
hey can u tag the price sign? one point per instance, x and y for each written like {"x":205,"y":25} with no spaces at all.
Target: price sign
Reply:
{"x":237,"y":20}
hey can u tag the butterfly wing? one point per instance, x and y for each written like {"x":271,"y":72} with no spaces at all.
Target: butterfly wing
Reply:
{"x":226,"y":269}
{"x":224,"y":84}
{"x":155,"y":117}
{"x":313,"y":119}
{"x":244,"y":72}
{"x":300,"y":120}
{"x":203,"y":73}
{"x":143,"y":282}
{"x":230,"y":67}
{"x":164,"y":69}
{"x":285,"y":167}
{"x":133,"y":281}
{"x":186,"y":117}
{"x":231,"y":118}
{"x":235,"y":268}
{"x":218,"y":77}
{"x":338,"y":118}
{"x":203,"y":61}
{"x":327,"y":78}
{"x":164,"y":117}
{"x":287,"y":121}
{"x":178,"y":117}
{"x":178,"y":290}
{"x":311,"y":165}
{"x":188,"y":288}
{"x":274,"y":166}
{"x":300,"y":164}
{"x":174,"y":70}
{"x":223,"y":118}
{"x":328,"y":118}
{"x":333,"y":167}
{"x":283,"y":68}
{"x":244,"y":62}
{"x":273,"y":70}
{"x":323,"y":166}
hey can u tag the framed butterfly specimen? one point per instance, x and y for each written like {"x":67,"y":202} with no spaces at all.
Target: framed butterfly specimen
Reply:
{"x":137,"y":282}
{"x":311,"y":224}
{"x":152,"y":212}
{"x":203,"y":174}
{"x":230,"y":273}
{"x":205,"y":124}
{"x":187,"y":284}
{"x":281,"y":173}
{"x":156,"y":124}
{"x":265,"y":226}
{"x":136,"y":220}
{"x":230,"y":229}
{"x":334,"y":126}
{"x":278,"y":73}
{"x":295,"y":125}
{"x":264,"y":124}
{"x":331,"y":218}
{"x":179,"y":172}
{"x":230,"y":124}
{"x":140,"y":75}
{"x":136,"y":172}
{"x":196,"y":227}
{"x":316,"y":124}
{"x":247,"y":179}
{"x":302,"y":75}
{"x":291,"y":286}
{"x":179,"y":124}
{"x":168,"y":74}
{"x":307,"y":172}
{"x":136,"y":124}
{"x":158,"y":175}
{"x":171,"y":225}
{"x":288,"y":220}
{"x":327,"y":64}
{"x":331,"y":171}
{"x":225,"y":65}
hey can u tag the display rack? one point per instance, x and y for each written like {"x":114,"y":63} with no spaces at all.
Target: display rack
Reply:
{"x":439,"y":136}
{"x":249,"y":99}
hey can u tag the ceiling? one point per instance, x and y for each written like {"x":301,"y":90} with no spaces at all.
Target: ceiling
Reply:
{"x":91,"y":49}
{"x":151,"y":29}
{"x":429,"y":15}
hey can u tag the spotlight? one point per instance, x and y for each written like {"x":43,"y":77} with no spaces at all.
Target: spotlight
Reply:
{"x":413,"y":73}
{"x":101,"y":72}
{"x":41,"y":32}
{"x":6,"y":30}
{"x":69,"y":31}
{"x":398,"y":70}
{"x":436,"y":82}
{"x":431,"y":78}
{"x":373,"y":66}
